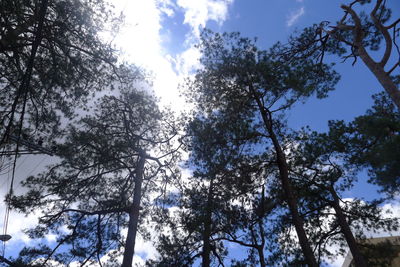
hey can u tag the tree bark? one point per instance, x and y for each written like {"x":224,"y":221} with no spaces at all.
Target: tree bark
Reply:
{"x":260,"y":248}
{"x":261,"y":256}
{"x":206,"y":261}
{"x":134,"y":214}
{"x":348,"y":235}
{"x":287,"y":188}
{"x":377,"y":68}
{"x":292,"y":201}
{"x":382,"y":76}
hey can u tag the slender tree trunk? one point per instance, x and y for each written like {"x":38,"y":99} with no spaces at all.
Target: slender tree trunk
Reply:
{"x":348,"y":235}
{"x":292,"y":202}
{"x":261,"y":256}
{"x":206,"y":261}
{"x":26,"y":78}
{"x":287,"y":187}
{"x":260,"y":248}
{"x":134,"y":214}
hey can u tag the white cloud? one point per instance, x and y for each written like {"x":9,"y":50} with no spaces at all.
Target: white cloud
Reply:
{"x":17,"y":222}
{"x":51,"y":238}
{"x":145,"y":247}
{"x":188,"y":61}
{"x":294,"y":16}
{"x":143,"y":38}
{"x":142,"y":41}
{"x":198,"y":12}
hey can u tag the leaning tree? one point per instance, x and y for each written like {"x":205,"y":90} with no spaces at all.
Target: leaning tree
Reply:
{"x":238,"y":78}
{"x":356,"y":35}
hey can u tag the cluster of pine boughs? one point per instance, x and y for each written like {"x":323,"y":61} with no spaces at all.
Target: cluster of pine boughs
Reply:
{"x":250,"y":183}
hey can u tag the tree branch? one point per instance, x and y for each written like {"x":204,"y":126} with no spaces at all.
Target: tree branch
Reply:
{"x":385,"y":33}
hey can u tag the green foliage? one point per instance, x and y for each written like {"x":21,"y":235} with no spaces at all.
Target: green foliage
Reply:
{"x":320,"y":173}
{"x":372,"y":141}
{"x":85,"y":199}
{"x":230,"y":150}
{"x":319,"y":40}
{"x":51,"y":60}
{"x":232,"y":63}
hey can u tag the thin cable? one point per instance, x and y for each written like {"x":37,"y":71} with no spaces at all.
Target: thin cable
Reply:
{"x":6,"y":215}
{"x":8,"y":208}
{"x":37,"y":165}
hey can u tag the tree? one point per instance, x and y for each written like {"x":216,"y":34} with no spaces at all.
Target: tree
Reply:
{"x":363,"y":35}
{"x":51,"y":60}
{"x":320,"y":176}
{"x":240,"y":79}
{"x":223,"y":173}
{"x":112,"y":163}
{"x":228,"y":176}
{"x":372,"y":141}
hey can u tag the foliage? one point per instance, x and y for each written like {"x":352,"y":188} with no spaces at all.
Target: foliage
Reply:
{"x":371,"y":141}
{"x":222,"y":175}
{"x":240,"y":82}
{"x":321,"y":176}
{"x":85,"y":199}
{"x":355,"y":35}
{"x":51,"y":60}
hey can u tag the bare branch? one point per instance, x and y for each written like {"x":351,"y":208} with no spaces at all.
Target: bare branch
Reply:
{"x":393,"y":68}
{"x":385,"y":33}
{"x":393,"y":24}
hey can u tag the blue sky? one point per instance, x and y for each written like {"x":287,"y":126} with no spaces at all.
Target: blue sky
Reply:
{"x":160,"y":35}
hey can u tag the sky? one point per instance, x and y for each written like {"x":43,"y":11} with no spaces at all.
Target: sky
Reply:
{"x":160,"y":36}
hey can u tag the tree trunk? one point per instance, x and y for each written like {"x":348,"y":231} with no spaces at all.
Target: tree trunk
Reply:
{"x":261,"y":256}
{"x":382,"y":76}
{"x":377,"y":68}
{"x":206,"y":261}
{"x":134,"y":214}
{"x":260,"y":248}
{"x":292,"y":202}
{"x":26,"y":78}
{"x":348,"y":235}
{"x":287,"y":188}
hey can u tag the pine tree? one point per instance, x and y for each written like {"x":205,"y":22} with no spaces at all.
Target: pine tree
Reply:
{"x":241,"y":80}
{"x":51,"y":60}
{"x":112,"y":163}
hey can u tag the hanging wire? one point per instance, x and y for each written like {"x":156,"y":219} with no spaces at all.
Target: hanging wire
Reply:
{"x":6,"y":215}
{"x":10,"y":193}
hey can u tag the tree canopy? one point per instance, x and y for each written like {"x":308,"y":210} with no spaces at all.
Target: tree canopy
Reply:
{"x":52,"y":58}
{"x":228,"y":175}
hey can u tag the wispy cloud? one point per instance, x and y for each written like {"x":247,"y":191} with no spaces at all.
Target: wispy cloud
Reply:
{"x":144,"y":38}
{"x":198,"y":12}
{"x":294,"y":16}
